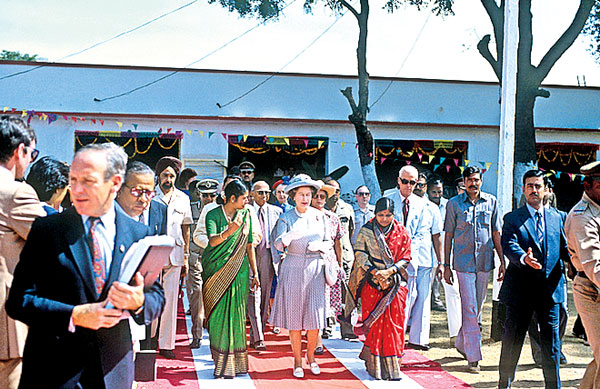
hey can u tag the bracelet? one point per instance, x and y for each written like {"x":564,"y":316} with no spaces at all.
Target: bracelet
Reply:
{"x":221,"y":235}
{"x":446,"y":265}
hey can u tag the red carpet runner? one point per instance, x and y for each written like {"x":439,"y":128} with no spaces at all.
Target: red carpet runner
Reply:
{"x":181,"y":371}
{"x":274,"y":367}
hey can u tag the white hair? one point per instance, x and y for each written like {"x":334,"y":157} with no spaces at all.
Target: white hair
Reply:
{"x":408,"y":169}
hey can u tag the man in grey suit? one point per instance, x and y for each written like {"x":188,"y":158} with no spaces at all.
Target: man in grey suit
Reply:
{"x":258,"y":300}
{"x":21,"y":206}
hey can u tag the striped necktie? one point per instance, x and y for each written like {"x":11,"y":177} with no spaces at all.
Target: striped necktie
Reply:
{"x":539,"y":228}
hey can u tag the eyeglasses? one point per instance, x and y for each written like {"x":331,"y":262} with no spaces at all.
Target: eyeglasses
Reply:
{"x":262,"y":192}
{"x":34,"y":153}
{"x":420,"y":185}
{"x":405,"y":181}
{"x":363,"y":194}
{"x":139,"y":192}
{"x":250,"y":171}
{"x":321,"y":196}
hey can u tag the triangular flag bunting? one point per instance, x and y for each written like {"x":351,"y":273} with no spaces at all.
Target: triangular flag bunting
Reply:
{"x":408,"y":162}
{"x":467,"y":162}
{"x":201,"y":133}
{"x":442,"y":159}
{"x":456,"y":161}
{"x":287,"y":141}
{"x":447,"y":168}
{"x":462,"y":168}
{"x":305,"y":143}
{"x":120,"y":125}
{"x":189,"y":132}
{"x":101,"y":122}
{"x":431,"y":157}
{"x":320,"y":143}
{"x":240,"y":137}
{"x":420,"y":157}
{"x":5,"y":109}
{"x":343,"y":144}
{"x":487,"y":165}
{"x":244,"y":138}
{"x":224,"y":135}
{"x":134,"y":126}
{"x":382,"y":159}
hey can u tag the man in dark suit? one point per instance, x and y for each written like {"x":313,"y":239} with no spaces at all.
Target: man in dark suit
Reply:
{"x":533,"y":240}
{"x":135,"y":197}
{"x":68,"y":273}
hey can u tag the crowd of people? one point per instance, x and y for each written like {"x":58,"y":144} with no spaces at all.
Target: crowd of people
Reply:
{"x":289,"y":255}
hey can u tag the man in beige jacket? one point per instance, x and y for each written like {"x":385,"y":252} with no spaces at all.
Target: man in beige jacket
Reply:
{"x":19,"y":206}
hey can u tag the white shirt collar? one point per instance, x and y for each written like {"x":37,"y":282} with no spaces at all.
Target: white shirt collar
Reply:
{"x":532,"y":211}
{"x":6,"y":174}
{"x":108,"y":220}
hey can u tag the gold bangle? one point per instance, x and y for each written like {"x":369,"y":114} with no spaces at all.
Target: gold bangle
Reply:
{"x":221,"y":235}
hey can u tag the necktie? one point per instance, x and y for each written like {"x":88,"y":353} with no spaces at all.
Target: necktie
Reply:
{"x":263,"y":227}
{"x":539,"y":228}
{"x":98,"y":260}
{"x":405,"y":210}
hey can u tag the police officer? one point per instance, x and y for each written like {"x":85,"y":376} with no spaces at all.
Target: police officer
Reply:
{"x":583,"y":230}
{"x":202,"y":192}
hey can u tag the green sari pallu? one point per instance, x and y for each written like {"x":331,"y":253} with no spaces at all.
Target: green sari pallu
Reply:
{"x":225,"y":293}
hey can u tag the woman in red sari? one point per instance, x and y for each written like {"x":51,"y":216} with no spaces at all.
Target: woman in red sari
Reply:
{"x":382,"y":252}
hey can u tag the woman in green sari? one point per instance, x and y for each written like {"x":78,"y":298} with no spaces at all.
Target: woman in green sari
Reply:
{"x":225,"y":274}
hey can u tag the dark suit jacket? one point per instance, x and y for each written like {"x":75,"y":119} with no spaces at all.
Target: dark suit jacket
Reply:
{"x":157,"y":218}
{"x":523,"y":284}
{"x":54,"y":275}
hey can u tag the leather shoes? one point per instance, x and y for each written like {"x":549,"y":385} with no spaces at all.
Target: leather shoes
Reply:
{"x":438,"y":307}
{"x":196,"y":342}
{"x":259,"y":346}
{"x":169,"y":354}
{"x":419,"y":347}
{"x":319,"y":350}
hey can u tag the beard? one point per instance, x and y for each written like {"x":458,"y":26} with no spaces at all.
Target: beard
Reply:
{"x":166,"y":186}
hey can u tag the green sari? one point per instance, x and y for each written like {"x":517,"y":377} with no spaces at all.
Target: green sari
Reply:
{"x":225,"y":293}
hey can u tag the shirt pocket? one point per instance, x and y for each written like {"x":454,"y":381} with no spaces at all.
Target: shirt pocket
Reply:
{"x":484,"y":218}
{"x":464,"y":220}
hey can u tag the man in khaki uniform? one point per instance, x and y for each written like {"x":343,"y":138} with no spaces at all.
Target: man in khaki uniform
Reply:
{"x":20,"y":206}
{"x":583,"y":238}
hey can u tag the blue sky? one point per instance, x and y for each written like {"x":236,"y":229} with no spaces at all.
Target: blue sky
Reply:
{"x":446,"y":48}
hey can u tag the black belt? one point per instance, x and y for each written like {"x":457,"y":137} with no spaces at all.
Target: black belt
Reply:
{"x":582,"y":274}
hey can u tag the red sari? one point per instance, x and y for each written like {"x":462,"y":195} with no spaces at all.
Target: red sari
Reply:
{"x":384,"y":343}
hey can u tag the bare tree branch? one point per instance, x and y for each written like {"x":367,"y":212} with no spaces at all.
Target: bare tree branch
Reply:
{"x":348,"y":94}
{"x":493,"y":11}
{"x":565,"y":41}
{"x":484,"y":49}
{"x":350,"y":8}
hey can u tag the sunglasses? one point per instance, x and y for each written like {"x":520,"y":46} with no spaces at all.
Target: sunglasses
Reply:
{"x":420,"y":185}
{"x":363,"y":194}
{"x":321,"y":196}
{"x":34,"y":153}
{"x":208,"y":195}
{"x":246,"y":171}
{"x":262,"y":192}
{"x":405,"y":181}
{"x":138,"y":192}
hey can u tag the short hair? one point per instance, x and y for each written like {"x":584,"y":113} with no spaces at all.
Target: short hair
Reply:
{"x":423,"y":175}
{"x":259,"y":183}
{"x":116,"y":158}
{"x":13,"y":132}
{"x":408,"y":169}
{"x":235,"y":188}
{"x":328,"y":180}
{"x":135,"y":168}
{"x":184,"y":176}
{"x":435,"y":180}
{"x":469,"y":170}
{"x":534,"y":173}
{"x":48,"y":175}
{"x":360,"y":186}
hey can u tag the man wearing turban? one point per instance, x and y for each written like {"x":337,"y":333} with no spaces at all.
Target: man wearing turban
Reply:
{"x":179,"y":219}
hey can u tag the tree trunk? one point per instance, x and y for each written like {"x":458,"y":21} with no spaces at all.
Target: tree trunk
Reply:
{"x":358,"y":117}
{"x":525,"y":144}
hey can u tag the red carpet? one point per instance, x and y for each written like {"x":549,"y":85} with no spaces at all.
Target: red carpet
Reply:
{"x":427,"y":373}
{"x":274,"y":367}
{"x":181,"y":371}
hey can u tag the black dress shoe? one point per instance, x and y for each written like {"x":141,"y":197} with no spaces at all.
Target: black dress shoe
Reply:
{"x":259,"y":346}
{"x":319,"y":350}
{"x":169,"y":354}
{"x":196,"y":342}
{"x":418,"y":346}
{"x":438,"y":307}
{"x":349,"y":336}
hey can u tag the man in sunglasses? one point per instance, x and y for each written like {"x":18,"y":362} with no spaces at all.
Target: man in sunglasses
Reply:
{"x":421,"y":186}
{"x":258,"y":300}
{"x":423,"y":222}
{"x":363,"y":211}
{"x":202,"y":193}
{"x":472,"y":227}
{"x":247,"y":173}
{"x":19,"y":200}
{"x":582,"y":228}
{"x":135,"y":197}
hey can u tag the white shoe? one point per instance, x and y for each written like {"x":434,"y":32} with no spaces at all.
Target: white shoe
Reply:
{"x":314,"y":368}
{"x":299,"y":372}
{"x":276,"y":330}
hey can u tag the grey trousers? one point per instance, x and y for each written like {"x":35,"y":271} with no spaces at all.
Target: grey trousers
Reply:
{"x":258,"y":301}
{"x":587,"y":302}
{"x":194,"y":292}
{"x":473,"y":289}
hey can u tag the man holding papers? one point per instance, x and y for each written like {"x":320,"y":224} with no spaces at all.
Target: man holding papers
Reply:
{"x":67,"y":275}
